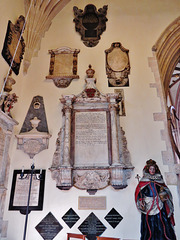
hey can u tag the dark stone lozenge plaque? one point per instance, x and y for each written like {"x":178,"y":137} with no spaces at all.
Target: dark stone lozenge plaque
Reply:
{"x":92,"y":227}
{"x":113,"y":218}
{"x":49,"y":227}
{"x":70,"y":217}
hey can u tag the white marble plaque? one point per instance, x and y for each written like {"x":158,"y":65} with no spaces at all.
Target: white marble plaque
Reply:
{"x":91,"y":139}
{"x":22,"y":190}
{"x":86,"y":203}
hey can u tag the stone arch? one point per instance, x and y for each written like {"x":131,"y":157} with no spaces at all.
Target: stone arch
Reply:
{"x":166,"y":55}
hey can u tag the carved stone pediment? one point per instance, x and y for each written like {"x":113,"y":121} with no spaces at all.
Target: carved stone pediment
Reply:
{"x":91,"y":148}
{"x":90,"y":23}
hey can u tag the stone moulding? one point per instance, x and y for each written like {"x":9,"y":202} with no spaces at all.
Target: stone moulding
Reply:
{"x":91,"y":148}
{"x":63,"y":66}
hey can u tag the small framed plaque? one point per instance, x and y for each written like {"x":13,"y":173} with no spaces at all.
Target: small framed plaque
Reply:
{"x":63,"y":66}
{"x":94,"y":203}
{"x":20,"y":191}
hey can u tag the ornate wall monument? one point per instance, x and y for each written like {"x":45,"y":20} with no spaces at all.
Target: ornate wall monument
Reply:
{"x":6,"y":128}
{"x":91,"y":148}
{"x":34,"y":135}
{"x":117,"y":65}
{"x":63,"y":66}
{"x":90,"y":23}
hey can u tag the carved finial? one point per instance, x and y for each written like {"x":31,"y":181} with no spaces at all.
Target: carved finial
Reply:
{"x":90,"y":72}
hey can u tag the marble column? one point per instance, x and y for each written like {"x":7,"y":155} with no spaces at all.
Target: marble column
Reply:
{"x":114,"y":130}
{"x":67,"y":131}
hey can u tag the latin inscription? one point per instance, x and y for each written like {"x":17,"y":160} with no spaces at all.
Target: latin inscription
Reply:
{"x":86,"y":203}
{"x":91,"y":140}
{"x":49,"y":227}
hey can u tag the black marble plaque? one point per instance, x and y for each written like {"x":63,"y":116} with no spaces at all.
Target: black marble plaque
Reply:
{"x":70,"y":217}
{"x":113,"y":218}
{"x":49,"y":227}
{"x":92,"y":227}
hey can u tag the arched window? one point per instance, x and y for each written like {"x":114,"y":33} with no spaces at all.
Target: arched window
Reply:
{"x":165,"y":65}
{"x":173,"y":111}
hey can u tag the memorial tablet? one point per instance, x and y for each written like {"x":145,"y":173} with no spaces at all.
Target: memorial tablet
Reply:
{"x":86,"y":203}
{"x":92,"y":227}
{"x":70,"y":217}
{"x":49,"y":227}
{"x":113,"y":218}
{"x":20,"y":191}
{"x":91,"y":139}
{"x":91,"y":148}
